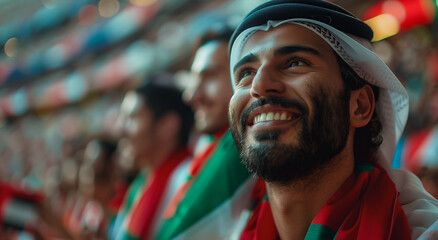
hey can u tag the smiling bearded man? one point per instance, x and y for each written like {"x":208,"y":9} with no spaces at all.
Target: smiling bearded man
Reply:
{"x":316,"y":114}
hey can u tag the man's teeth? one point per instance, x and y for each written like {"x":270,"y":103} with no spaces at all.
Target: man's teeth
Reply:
{"x":272,"y":116}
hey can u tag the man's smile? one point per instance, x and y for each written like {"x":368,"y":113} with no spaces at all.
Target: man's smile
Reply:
{"x":271,"y":112}
{"x":271,"y":115}
{"x":274,"y":116}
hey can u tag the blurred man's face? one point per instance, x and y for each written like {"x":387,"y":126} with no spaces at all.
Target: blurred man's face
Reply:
{"x":138,"y":125}
{"x":289,"y":114}
{"x":211,"y":92}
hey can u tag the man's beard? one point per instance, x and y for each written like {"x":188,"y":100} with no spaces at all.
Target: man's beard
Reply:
{"x":317,"y":145}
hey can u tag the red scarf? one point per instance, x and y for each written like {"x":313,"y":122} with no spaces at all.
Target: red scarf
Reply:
{"x":365,"y":207}
{"x":144,"y":213}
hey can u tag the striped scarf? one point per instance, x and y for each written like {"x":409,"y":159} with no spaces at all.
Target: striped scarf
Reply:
{"x":215,"y":176}
{"x":365,"y":207}
{"x":136,"y":218}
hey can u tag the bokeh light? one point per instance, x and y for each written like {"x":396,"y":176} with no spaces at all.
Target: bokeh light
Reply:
{"x":142,"y":3}
{"x":11,"y":47}
{"x":396,"y":9}
{"x":108,"y":8}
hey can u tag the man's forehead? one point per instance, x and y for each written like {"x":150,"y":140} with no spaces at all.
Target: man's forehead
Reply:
{"x":283,"y":35}
{"x":204,"y":56}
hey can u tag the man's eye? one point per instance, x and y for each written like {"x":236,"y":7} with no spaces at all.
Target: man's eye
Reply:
{"x":297,"y":63}
{"x":244,"y":73}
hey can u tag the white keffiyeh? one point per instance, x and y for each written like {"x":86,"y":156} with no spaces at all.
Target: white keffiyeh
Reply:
{"x":420,"y":207}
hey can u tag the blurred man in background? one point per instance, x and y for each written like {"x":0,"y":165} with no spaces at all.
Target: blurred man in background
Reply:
{"x":216,"y":178}
{"x":157,"y":125}
{"x":101,"y":182}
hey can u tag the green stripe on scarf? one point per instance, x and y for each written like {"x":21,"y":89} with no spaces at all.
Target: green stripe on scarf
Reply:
{"x":319,"y":232}
{"x":117,"y":229}
{"x":220,"y":178}
{"x":134,"y":189}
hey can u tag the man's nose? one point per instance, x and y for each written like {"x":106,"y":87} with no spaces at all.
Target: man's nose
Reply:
{"x":193,"y":94}
{"x":266,"y":83}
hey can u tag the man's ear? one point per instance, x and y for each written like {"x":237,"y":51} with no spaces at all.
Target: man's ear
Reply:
{"x":362,"y":105}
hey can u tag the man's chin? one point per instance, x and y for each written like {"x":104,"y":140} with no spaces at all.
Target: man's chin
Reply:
{"x":262,"y":137}
{"x":201,"y":125}
{"x":280,"y":163}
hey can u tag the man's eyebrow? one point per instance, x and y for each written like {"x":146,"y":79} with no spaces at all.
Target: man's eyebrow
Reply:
{"x":247,"y":59}
{"x":278,"y":52}
{"x":294,"y":48}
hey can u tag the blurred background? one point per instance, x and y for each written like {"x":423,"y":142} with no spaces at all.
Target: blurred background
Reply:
{"x":65,"y":65}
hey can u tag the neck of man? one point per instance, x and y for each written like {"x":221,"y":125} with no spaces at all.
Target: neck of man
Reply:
{"x":220,"y":132}
{"x":297,"y":204}
{"x":159,"y":154}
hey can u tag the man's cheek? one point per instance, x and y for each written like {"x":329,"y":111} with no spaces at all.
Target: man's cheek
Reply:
{"x":232,"y":110}
{"x":234,"y":119}
{"x":238,"y":100}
